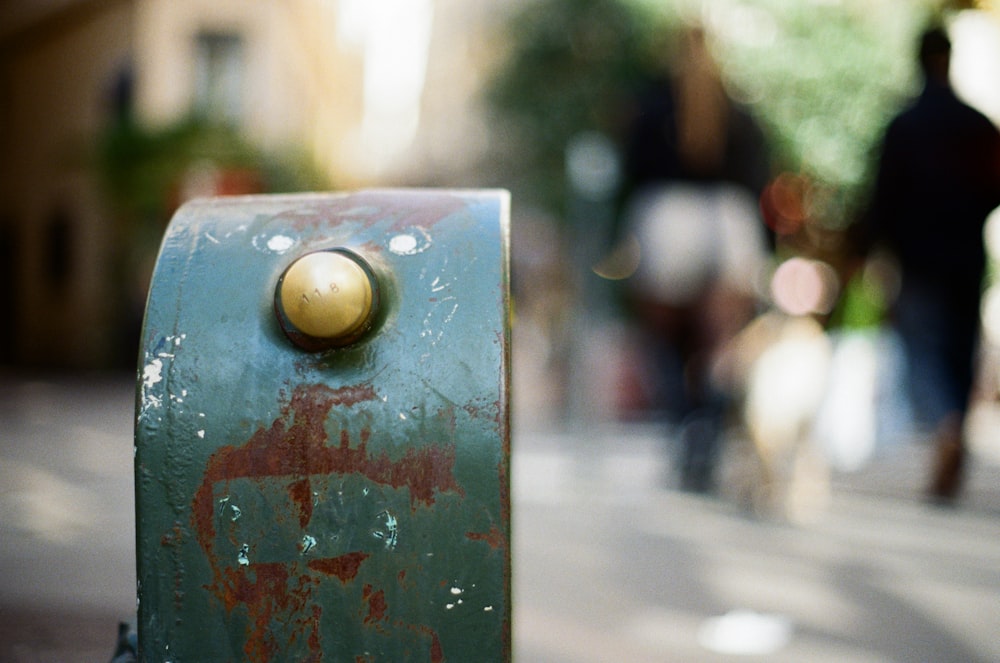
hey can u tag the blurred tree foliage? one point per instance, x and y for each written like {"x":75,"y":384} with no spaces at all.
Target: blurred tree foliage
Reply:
{"x":570,"y":65}
{"x":821,"y":77}
{"x":143,"y":169}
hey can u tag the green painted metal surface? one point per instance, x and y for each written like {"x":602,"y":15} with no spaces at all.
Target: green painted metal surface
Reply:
{"x":348,"y":504}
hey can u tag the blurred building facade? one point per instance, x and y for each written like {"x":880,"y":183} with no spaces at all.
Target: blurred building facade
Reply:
{"x":56,"y":60}
{"x":376,"y":92}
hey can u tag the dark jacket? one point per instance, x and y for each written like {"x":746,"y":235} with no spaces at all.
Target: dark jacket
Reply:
{"x":938,"y":180}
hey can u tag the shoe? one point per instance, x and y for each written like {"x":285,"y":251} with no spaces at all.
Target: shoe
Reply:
{"x":949,"y":463}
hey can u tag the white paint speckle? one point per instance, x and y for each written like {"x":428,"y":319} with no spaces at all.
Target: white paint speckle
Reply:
{"x":241,"y":558}
{"x":457,"y":590}
{"x":410,"y":243}
{"x":242,"y":228}
{"x":201,"y":434}
{"x":451,"y":316}
{"x":403,"y":245}
{"x":152,"y":373}
{"x":280,"y":243}
{"x":488,"y":608}
{"x":149,"y":402}
{"x":275,"y":243}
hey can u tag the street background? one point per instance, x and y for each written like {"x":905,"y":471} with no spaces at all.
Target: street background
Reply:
{"x":611,"y":562}
{"x":115,"y":112}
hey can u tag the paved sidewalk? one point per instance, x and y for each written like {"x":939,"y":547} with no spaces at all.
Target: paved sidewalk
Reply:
{"x":616,"y":567}
{"x":67,"y":534}
{"x":611,"y":563}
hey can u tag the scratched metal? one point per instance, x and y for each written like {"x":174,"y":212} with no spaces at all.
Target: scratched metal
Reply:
{"x":345,"y":505}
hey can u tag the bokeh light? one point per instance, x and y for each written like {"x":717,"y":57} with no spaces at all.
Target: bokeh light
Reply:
{"x":801,"y":286}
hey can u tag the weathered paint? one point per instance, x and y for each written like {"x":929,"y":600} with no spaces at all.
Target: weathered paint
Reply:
{"x":349,"y":504}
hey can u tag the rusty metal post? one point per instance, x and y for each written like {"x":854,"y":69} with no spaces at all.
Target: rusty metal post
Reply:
{"x":322,"y":431}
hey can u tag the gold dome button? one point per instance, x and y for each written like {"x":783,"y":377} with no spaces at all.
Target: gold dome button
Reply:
{"x":327,"y":296}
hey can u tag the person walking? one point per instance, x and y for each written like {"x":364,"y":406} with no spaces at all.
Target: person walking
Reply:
{"x":695,"y":162}
{"x":938,"y":180}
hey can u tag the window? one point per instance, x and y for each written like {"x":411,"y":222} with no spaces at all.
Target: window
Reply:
{"x":219,"y":74}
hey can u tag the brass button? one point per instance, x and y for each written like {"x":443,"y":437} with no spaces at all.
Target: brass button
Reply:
{"x":327,"y":296}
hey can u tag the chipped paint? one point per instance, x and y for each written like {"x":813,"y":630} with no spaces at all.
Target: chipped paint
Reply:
{"x":388,"y":531}
{"x":152,"y":374}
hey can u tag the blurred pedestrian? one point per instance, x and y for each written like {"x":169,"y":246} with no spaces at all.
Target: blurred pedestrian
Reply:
{"x":693,"y":159}
{"x":938,"y":179}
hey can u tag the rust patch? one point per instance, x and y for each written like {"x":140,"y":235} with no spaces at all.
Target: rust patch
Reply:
{"x":495,"y":538}
{"x":435,"y":650}
{"x":344,"y":567}
{"x":301,"y":494}
{"x":314,"y":645}
{"x":264,"y":590}
{"x":174,"y":537}
{"x":403,"y":208}
{"x":409,"y":208}
{"x":376,"y":604}
{"x":437,"y":653}
{"x":295,"y":446}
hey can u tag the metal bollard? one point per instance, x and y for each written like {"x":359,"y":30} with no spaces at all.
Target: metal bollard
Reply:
{"x":322,"y":431}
